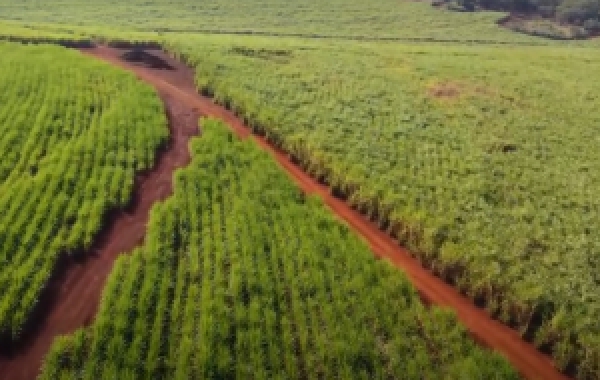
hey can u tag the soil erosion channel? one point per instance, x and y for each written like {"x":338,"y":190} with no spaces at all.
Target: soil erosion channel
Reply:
{"x":179,"y":83}
{"x":74,"y":295}
{"x":175,"y":82}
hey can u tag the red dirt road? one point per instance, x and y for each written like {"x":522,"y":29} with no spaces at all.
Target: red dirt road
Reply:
{"x":179,"y":83}
{"x":75,"y":295}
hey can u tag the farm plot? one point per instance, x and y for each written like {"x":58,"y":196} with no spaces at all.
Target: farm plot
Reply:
{"x":242,"y":276}
{"x":73,"y":134}
{"x":388,"y":19}
{"x":482,"y":161}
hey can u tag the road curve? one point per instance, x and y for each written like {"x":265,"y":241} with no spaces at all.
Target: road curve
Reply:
{"x":179,"y":83}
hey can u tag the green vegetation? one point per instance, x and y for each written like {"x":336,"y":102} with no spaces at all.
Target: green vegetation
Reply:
{"x":241,"y":276}
{"x":487,"y":172}
{"x":480,"y":158}
{"x":73,"y":132}
{"x":72,"y":36}
{"x":405,"y":20}
{"x":338,"y":19}
{"x":18,"y":33}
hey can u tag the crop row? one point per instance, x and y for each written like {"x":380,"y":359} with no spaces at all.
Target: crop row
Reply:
{"x":74,"y":132}
{"x":485,"y":170}
{"x":242,"y":276}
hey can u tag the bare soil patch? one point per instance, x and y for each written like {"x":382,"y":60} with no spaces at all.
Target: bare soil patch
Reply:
{"x":445,"y":90}
{"x":72,"y":297}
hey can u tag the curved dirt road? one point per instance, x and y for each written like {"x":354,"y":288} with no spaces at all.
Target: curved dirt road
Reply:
{"x":179,"y":83}
{"x":73,"y":296}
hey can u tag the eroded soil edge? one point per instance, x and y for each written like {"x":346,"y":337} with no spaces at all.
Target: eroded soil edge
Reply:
{"x":72,"y":297}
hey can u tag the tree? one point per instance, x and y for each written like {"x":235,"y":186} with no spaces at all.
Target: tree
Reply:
{"x":578,"y":11}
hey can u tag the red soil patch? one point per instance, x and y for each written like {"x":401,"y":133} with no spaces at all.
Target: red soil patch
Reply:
{"x":74,"y":294}
{"x":444,"y":90}
{"x":529,"y":362}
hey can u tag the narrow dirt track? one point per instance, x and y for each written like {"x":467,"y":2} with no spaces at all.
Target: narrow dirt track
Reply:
{"x":179,"y":83}
{"x":75,"y":295}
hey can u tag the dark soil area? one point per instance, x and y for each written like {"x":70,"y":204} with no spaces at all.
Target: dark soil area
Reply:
{"x":145,"y":59}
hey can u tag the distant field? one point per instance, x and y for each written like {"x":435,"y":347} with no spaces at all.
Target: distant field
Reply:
{"x":347,"y":18}
{"x":483,"y":161}
{"x":72,"y":134}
